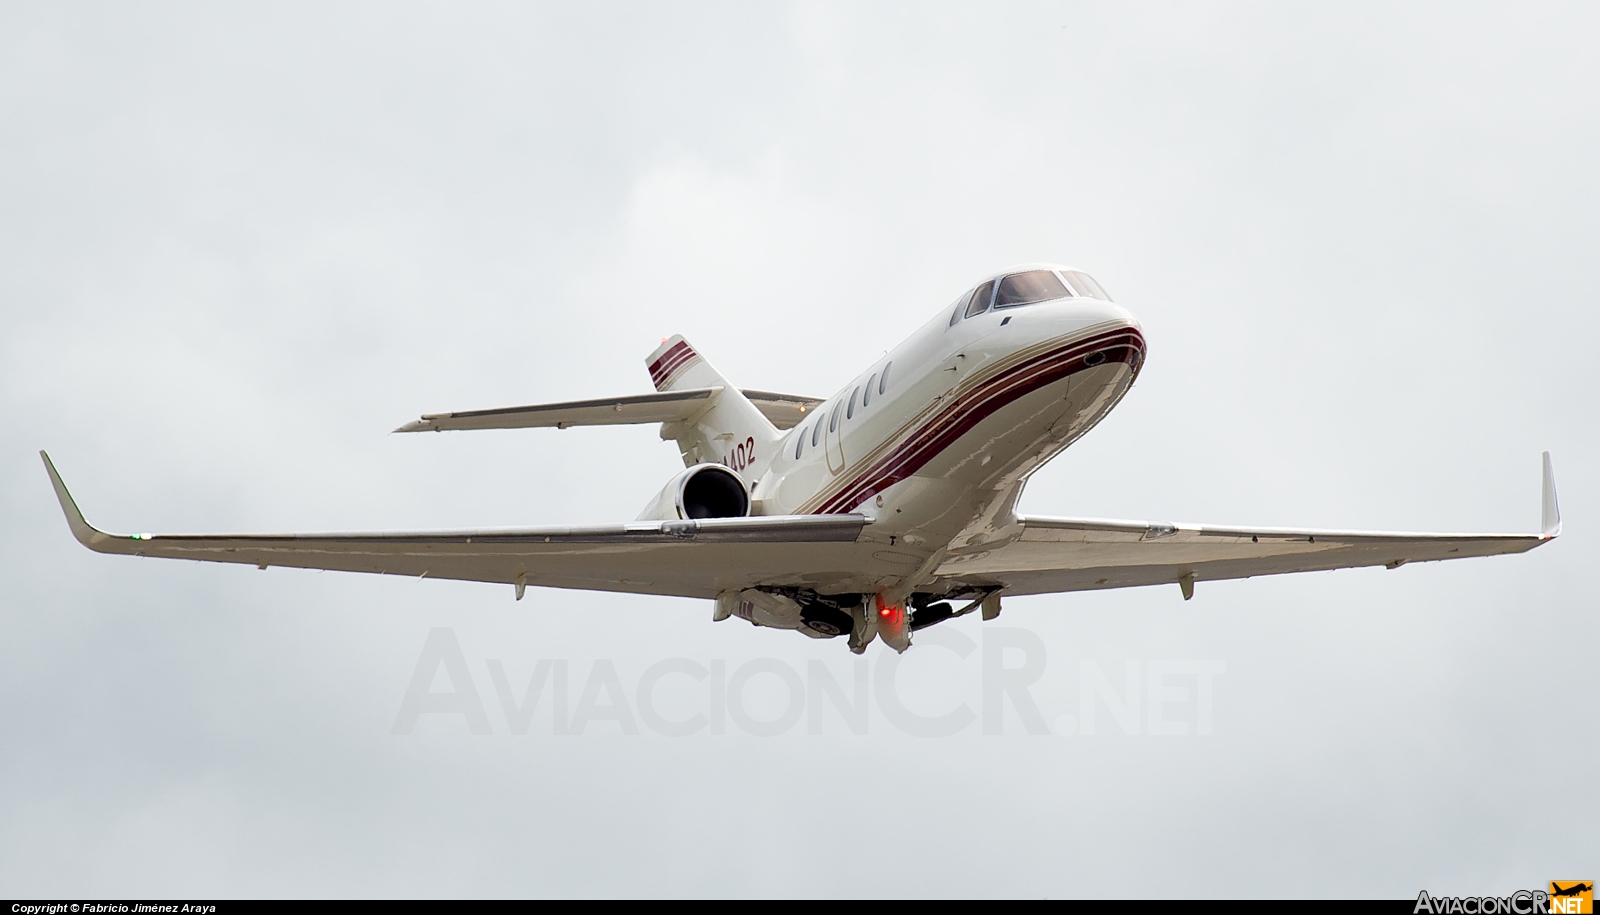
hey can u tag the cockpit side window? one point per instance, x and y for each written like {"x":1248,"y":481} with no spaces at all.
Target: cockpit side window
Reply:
{"x":1028,"y":288}
{"x":979,"y":303}
{"x":1085,"y":285}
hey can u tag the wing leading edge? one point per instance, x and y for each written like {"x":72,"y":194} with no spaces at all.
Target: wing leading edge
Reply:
{"x":678,"y":558}
{"x":1084,"y":554}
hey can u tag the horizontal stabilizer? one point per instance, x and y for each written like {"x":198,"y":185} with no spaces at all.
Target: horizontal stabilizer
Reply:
{"x":783,"y":410}
{"x":668,"y":407}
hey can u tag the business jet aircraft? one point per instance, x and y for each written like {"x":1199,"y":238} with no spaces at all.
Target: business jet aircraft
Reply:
{"x":873,"y":513}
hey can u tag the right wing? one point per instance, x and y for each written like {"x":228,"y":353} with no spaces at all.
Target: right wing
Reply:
{"x":784,"y":411}
{"x":1085,"y":554}
{"x":679,"y":558}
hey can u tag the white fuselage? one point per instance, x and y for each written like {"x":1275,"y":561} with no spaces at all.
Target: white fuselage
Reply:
{"x":934,"y":440}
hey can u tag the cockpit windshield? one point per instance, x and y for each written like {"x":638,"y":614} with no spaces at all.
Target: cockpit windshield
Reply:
{"x":1028,"y":288}
{"x":1083,"y":284}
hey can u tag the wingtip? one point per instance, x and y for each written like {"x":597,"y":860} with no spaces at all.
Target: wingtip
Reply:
{"x":85,"y":532}
{"x":1549,"y":507}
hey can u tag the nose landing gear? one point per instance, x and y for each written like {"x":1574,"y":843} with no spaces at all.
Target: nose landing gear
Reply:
{"x":878,"y":617}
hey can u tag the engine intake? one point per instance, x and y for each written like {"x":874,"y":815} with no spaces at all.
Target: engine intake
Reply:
{"x":713,"y":491}
{"x":702,"y":491}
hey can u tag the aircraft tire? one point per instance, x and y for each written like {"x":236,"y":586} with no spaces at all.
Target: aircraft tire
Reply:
{"x":828,"y":621}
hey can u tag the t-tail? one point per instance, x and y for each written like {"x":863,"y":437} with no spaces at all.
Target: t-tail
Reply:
{"x":727,"y":429}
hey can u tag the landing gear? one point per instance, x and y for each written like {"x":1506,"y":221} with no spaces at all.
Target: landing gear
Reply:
{"x":825,"y":620}
{"x":928,"y":614}
{"x":865,"y":618}
{"x":893,"y":623}
{"x":863,"y":627}
{"x":926,"y":610}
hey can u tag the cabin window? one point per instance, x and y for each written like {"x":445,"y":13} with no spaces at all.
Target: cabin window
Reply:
{"x":1085,"y":285}
{"x":885,"y":377}
{"x":833,"y":419}
{"x":979,"y":303}
{"x":801,"y":443}
{"x":816,"y":431}
{"x":850,"y":411}
{"x":1028,"y":288}
{"x":866,"y":398}
{"x":957,"y":307}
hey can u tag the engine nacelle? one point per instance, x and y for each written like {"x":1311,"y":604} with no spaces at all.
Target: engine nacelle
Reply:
{"x":702,"y":491}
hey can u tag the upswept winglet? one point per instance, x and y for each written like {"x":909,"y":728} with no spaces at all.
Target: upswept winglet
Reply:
{"x":1549,"y":508}
{"x":86,"y":533}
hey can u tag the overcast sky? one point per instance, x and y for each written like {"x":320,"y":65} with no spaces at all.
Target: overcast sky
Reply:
{"x":239,"y":243}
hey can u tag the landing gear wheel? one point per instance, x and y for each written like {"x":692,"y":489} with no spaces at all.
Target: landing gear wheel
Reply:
{"x":828,"y":621}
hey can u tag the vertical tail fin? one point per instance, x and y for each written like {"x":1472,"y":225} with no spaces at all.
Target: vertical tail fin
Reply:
{"x":729,"y":431}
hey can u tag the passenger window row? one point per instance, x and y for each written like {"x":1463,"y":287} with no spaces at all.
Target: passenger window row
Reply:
{"x":862,"y":394}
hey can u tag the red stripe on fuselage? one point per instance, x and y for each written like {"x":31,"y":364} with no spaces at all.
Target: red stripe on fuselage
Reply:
{"x":1125,"y":345}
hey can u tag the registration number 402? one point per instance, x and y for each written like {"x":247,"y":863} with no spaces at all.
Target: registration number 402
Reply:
{"x":742,"y":456}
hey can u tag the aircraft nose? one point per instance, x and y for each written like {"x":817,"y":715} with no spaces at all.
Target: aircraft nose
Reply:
{"x":1081,"y":312}
{"x":1111,"y":311}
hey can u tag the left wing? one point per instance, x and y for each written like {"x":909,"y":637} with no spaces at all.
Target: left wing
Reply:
{"x":1072,"y":554}
{"x":680,"y":558}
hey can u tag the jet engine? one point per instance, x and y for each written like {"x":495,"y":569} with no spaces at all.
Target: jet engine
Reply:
{"x":702,"y":491}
